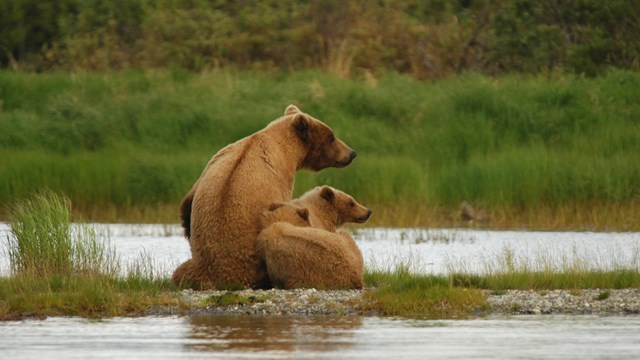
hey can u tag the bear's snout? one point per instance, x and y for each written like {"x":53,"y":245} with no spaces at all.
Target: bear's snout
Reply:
{"x":347,"y":160}
{"x":365,"y":217}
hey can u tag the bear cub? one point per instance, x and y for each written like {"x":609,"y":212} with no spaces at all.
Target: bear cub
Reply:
{"x":301,"y":245}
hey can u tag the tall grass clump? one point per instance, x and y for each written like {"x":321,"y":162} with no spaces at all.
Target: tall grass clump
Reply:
{"x":45,"y":243}
{"x":60,"y":268}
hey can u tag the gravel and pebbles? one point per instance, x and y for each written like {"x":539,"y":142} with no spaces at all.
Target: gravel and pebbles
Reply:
{"x":588,"y":301}
{"x":267,"y":302}
{"x":277,"y":302}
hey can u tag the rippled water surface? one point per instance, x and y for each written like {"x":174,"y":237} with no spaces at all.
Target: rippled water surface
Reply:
{"x":223,"y":337}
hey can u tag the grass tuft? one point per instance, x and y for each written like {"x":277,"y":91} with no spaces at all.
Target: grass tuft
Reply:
{"x":44,"y":242}
{"x":603,"y":295}
{"x":60,"y":268}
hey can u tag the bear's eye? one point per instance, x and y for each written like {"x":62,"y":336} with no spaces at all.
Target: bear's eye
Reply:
{"x":331,"y":139}
{"x":352,"y":204}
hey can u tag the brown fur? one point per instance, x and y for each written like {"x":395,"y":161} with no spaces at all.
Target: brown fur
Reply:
{"x":237,"y":185}
{"x":286,"y":212}
{"x":185,"y":215}
{"x":282,"y":213}
{"x":296,"y":256}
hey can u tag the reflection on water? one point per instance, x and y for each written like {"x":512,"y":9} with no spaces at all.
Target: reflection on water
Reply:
{"x":272,"y":334}
{"x":291,"y":337}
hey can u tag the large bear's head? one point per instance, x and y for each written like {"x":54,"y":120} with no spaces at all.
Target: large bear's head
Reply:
{"x":324,"y":149}
{"x":331,"y":208}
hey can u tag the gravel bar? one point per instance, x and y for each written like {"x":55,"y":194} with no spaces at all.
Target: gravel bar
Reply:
{"x":277,"y":302}
{"x":272,"y":302}
{"x":587,"y":301}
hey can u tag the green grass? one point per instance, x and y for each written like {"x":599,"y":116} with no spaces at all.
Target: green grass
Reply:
{"x":60,"y":269}
{"x":546,"y":270}
{"x":81,"y":295}
{"x":526,"y":280}
{"x":399,"y":292}
{"x":44,"y":242}
{"x":516,"y":145}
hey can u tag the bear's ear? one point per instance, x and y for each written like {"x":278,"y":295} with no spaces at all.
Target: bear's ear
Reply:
{"x":304,"y":214}
{"x":327,"y":194}
{"x":275,"y":206}
{"x":291,"y":109}
{"x":301,"y":125}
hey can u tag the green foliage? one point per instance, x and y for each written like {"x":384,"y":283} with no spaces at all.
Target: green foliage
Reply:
{"x":142,"y":138}
{"x":428,"y":39}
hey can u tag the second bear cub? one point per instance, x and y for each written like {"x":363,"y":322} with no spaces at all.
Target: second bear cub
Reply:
{"x":300,"y":245}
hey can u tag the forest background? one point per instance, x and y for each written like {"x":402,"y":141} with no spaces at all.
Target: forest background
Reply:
{"x":528,"y":110}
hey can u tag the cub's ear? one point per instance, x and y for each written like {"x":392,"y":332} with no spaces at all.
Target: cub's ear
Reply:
{"x":291,"y":109}
{"x":327,"y":194}
{"x":301,"y":125}
{"x":275,"y":206}
{"x":304,"y":214}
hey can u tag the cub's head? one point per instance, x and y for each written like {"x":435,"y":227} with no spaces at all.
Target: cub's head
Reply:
{"x":324,"y":149}
{"x":331,"y":208}
{"x":285,"y":212}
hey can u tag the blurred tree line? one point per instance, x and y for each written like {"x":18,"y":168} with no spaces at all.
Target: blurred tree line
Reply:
{"x":424,"y":38}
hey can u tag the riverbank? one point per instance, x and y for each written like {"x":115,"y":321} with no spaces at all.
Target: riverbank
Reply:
{"x":312,"y":302}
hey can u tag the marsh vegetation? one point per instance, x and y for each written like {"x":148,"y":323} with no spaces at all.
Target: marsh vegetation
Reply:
{"x":558,"y":152}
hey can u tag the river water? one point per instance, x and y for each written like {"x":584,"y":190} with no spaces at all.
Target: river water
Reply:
{"x":224,"y":337}
{"x":430,"y":251}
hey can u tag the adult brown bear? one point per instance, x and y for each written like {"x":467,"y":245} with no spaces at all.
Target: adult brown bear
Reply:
{"x":221,"y":213}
